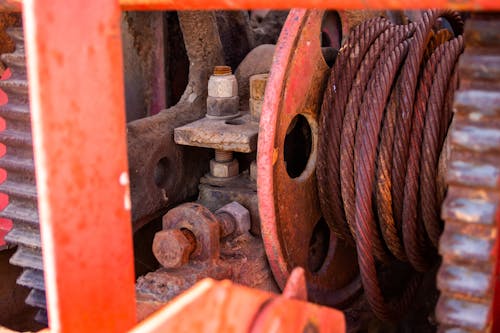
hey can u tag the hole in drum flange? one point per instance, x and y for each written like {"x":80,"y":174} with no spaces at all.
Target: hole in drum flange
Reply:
{"x":160,"y":173}
{"x":331,"y":36}
{"x":318,"y":246}
{"x":298,"y":145}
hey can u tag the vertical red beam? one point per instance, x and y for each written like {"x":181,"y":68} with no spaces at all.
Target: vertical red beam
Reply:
{"x":78,"y":118}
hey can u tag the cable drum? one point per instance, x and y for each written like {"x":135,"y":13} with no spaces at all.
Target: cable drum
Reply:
{"x":384,"y":119}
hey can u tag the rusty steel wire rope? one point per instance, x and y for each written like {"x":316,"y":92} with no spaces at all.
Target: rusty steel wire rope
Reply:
{"x":383,"y":123}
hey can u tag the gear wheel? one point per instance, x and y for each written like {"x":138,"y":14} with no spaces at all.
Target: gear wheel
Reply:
{"x":20,"y":183}
{"x":468,"y":245}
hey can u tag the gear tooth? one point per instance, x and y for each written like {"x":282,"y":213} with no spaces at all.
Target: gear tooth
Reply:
{"x":32,"y":278}
{"x":471,"y":244}
{"x":481,"y":70}
{"x":467,"y":281}
{"x":463,"y":313}
{"x":28,"y":258}
{"x":466,"y":103}
{"x":42,"y":317}
{"x":473,"y":174}
{"x":477,"y":137}
{"x":37,"y":298}
{"x":469,"y":208}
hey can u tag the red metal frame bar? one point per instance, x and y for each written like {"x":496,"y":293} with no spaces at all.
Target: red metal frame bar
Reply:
{"x":75,"y":67}
{"x":16,"y":5}
{"x":318,"y":4}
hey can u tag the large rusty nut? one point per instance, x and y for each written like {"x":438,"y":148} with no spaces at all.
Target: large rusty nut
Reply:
{"x":202,"y":223}
{"x":222,"y":86}
{"x":222,"y":106}
{"x":240,"y":214}
{"x":171,"y":248}
{"x":224,"y":169}
{"x":255,"y":109}
{"x":258,"y":86}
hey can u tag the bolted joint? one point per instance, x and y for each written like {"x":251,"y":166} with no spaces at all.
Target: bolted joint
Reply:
{"x":222,"y":86}
{"x":222,"y":70}
{"x":223,"y":107}
{"x":234,"y":219}
{"x":223,"y":155}
{"x":227,"y":224}
{"x":173,"y":247}
{"x":224,"y":169}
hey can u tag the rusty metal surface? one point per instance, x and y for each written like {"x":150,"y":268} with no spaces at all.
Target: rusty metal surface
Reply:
{"x":11,"y":5}
{"x":20,"y":183}
{"x":257,"y":61}
{"x":237,"y":35}
{"x":236,"y":134}
{"x":216,"y":192}
{"x":232,"y":308}
{"x":383,"y":124}
{"x":145,"y":62}
{"x":218,"y":245}
{"x":468,"y":277}
{"x":291,"y":221}
{"x":163,"y":173}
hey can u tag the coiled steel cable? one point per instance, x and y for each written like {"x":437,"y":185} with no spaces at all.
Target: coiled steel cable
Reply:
{"x":384,"y":118}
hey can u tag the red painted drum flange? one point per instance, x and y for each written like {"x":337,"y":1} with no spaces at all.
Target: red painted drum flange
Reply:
{"x":289,"y":207}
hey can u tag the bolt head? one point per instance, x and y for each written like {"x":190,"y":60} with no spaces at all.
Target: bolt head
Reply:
{"x":224,"y":169}
{"x":240,"y":214}
{"x":171,"y":248}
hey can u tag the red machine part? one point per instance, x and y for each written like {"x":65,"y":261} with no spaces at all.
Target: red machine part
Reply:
{"x":81,"y":163}
{"x":288,"y":199}
{"x":212,"y":306}
{"x":15,"y":5}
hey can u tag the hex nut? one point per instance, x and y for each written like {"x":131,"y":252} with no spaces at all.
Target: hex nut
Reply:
{"x":222,"y":86}
{"x":171,"y":248}
{"x":258,"y":84}
{"x":223,"y":106}
{"x":240,"y":214}
{"x":255,"y":109}
{"x":224,"y":169}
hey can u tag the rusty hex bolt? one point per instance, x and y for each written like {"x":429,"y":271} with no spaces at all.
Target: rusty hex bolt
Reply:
{"x":173,"y":247}
{"x":234,"y":219}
